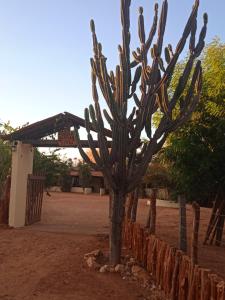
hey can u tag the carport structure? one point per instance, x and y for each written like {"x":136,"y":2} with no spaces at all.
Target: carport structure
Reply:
{"x":51,"y":132}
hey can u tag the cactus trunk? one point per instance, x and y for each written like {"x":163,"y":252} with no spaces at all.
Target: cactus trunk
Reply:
{"x":182,"y":224}
{"x":116,"y":222}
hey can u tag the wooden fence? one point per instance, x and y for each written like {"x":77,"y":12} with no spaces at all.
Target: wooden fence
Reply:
{"x":171,"y":269}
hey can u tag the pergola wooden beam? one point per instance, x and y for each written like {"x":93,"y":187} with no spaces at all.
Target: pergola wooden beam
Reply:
{"x":57,"y":144}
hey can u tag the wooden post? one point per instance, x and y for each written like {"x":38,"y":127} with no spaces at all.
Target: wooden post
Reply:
{"x":215,"y":228}
{"x":195,"y":230}
{"x":148,"y":221}
{"x":212,"y":219}
{"x":220,"y":225}
{"x":220,"y":290}
{"x":129,"y":205}
{"x":182,"y":223}
{"x":153,"y":212}
{"x":219,"y":230}
{"x":175,"y":279}
{"x":135,"y":204}
{"x":217,"y":224}
{"x":213,"y":283}
{"x":205,"y":284}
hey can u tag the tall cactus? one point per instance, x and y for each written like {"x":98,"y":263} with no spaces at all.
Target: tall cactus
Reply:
{"x":126,"y":162}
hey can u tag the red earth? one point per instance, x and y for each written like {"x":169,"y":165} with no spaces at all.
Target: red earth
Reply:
{"x":44,"y":261}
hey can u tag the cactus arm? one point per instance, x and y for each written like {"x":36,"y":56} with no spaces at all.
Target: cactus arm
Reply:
{"x":148,"y":43}
{"x":162,"y":26}
{"x":82,"y":152}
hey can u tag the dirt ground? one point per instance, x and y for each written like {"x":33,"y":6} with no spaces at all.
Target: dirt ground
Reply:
{"x":45,"y":261}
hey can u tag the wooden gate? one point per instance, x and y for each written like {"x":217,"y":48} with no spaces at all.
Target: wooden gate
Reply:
{"x":35,"y":188}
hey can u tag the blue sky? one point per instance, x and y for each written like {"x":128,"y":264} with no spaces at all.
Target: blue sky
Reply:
{"x":45,"y":46}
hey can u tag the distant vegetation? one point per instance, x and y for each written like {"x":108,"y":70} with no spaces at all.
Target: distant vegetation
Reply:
{"x":195,"y":154}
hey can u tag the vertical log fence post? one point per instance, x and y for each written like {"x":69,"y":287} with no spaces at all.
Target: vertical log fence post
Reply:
{"x":135,"y":204}
{"x":182,"y":223}
{"x":195,"y":230}
{"x":220,"y":223}
{"x":153,"y":212}
{"x":129,"y":204}
{"x":147,"y":226}
{"x":212,"y":219}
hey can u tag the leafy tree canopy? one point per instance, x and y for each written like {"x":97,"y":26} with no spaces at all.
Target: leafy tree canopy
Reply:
{"x":196,"y":152}
{"x":157,"y":176}
{"x":52,"y":166}
{"x":5,"y":156}
{"x":85,"y":176}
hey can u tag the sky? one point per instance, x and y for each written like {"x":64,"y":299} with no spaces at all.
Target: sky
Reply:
{"x":45,"y":49}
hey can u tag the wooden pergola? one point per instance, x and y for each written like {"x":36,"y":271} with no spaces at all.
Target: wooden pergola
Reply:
{"x":26,"y":189}
{"x":38,"y":134}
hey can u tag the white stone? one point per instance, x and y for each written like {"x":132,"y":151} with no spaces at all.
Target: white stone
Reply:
{"x":77,"y":189}
{"x":140,"y":273}
{"x":87,"y":191}
{"x":119,"y":268}
{"x":136,"y":269}
{"x":102,"y":191}
{"x":112,"y":269}
{"x":104,"y":269}
{"x":92,"y":264}
{"x":95,"y":253}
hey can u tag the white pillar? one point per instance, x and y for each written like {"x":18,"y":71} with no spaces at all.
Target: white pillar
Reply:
{"x":22,"y":165}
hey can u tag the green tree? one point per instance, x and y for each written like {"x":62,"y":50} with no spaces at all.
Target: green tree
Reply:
{"x":5,"y":156}
{"x":157,"y":176}
{"x":5,"y":163}
{"x":54,"y":168}
{"x":196,"y":152}
{"x":85,"y":176}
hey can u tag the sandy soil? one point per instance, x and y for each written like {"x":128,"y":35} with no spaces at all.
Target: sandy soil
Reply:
{"x":89,"y":214}
{"x":45,"y":261}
